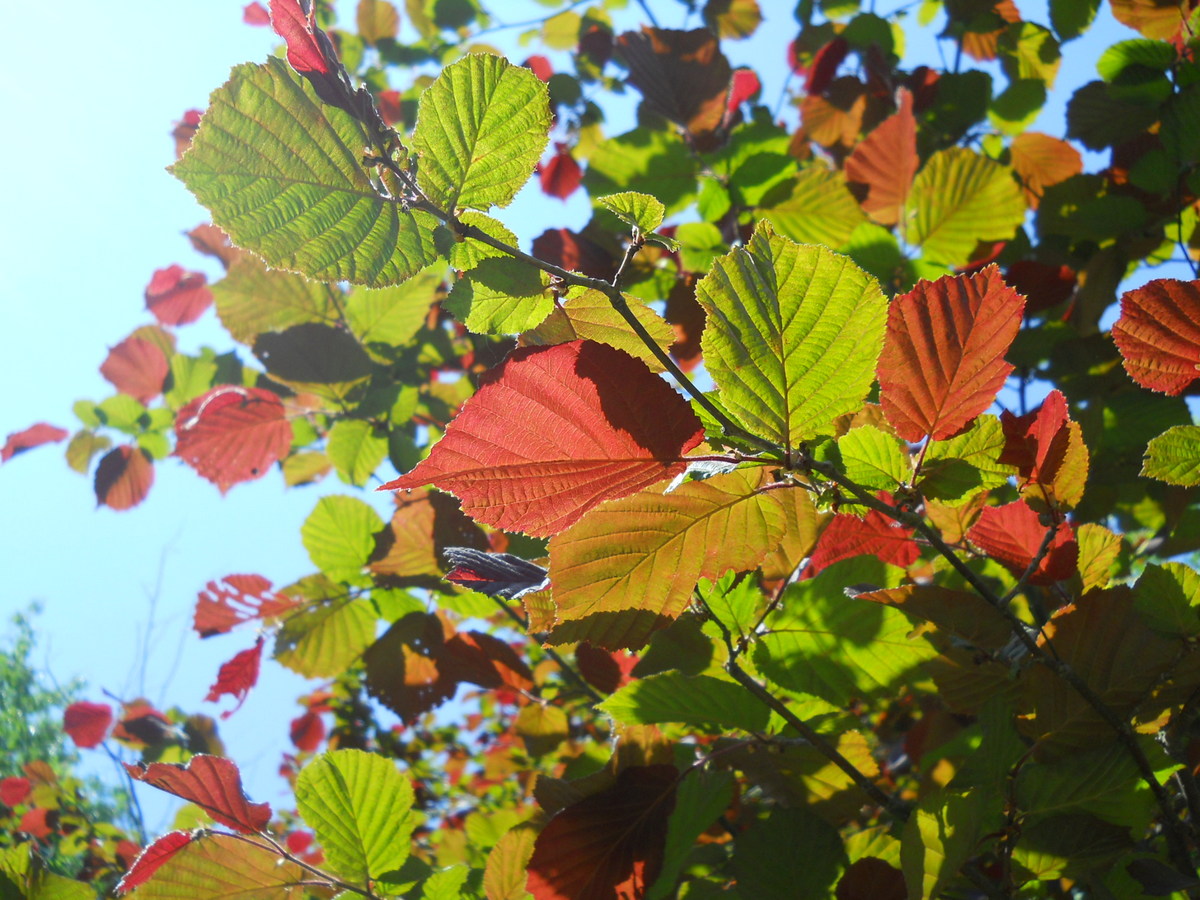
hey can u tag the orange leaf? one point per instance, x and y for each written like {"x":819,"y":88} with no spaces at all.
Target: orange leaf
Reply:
{"x":1158,"y":334}
{"x":33,"y":436}
{"x":1012,"y":535}
{"x":1047,"y":449}
{"x":886,"y":162}
{"x":136,"y":367}
{"x":212,"y":783}
{"x":232,"y":434}
{"x":123,"y":478}
{"x":1042,"y":161}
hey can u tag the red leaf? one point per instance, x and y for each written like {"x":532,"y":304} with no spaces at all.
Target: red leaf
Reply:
{"x":571,"y":250}
{"x":1158,"y":334}
{"x":742,"y":87}
{"x":299,"y":841}
{"x":176,"y":297}
{"x":608,"y":845}
{"x":1012,"y":534}
{"x":540,"y":66}
{"x":152,"y":857}
{"x":687,"y":318}
{"x":33,"y":436}
{"x":255,"y":14}
{"x":307,"y":731}
{"x":36,"y":822}
{"x":1036,"y":443}
{"x":14,"y":790}
{"x":1043,"y":285}
{"x":136,"y":367}
{"x":885,"y":163}
{"x":846,"y":536}
{"x":212,"y":241}
{"x":123,"y":478}
{"x":237,"y":599}
{"x":825,"y":65}
{"x":555,"y":432}
{"x":232,"y":434}
{"x":604,"y":671}
{"x":298,"y":31}
{"x":390,"y":108}
{"x":943,"y":356}
{"x":561,"y":176}
{"x":212,"y":783}
{"x":185,"y":130}
{"x":236,"y":677}
{"x":87,"y":723}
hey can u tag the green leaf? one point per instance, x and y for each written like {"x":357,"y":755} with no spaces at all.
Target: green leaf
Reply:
{"x":958,"y":468}
{"x":447,"y":884}
{"x":643,"y":212}
{"x":282,"y":174}
{"x":500,"y":296}
{"x":698,"y":700}
{"x":359,"y":805}
{"x":481,"y":128}
{"x":1167,"y":596}
{"x":391,"y":316}
{"x":793,"y":335}
{"x":958,"y":199}
{"x":874,"y":458}
{"x":252,"y":299}
{"x":339,"y":536}
{"x":588,"y":314}
{"x":1071,"y":18}
{"x":1142,"y":52}
{"x":655,"y":162}
{"x":938,"y":838}
{"x":701,"y":796}
{"x":816,"y":208}
{"x":322,"y":640}
{"x":769,"y":863}
{"x":733,"y":602}
{"x":1029,"y":51}
{"x":467,"y":253}
{"x":1174,"y":456}
{"x":191,"y":376}
{"x":355,"y":450}
{"x":222,"y":867}
{"x":699,"y":244}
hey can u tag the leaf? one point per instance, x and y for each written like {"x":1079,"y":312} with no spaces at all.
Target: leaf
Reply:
{"x":253,"y":299}
{"x":232,"y":434}
{"x":960,"y":613}
{"x":886,"y":161}
{"x":1167,"y":597}
{"x":815,"y":208}
{"x":1041,"y":161}
{"x":420,"y":529}
{"x":494,"y":574}
{"x":959,"y":199}
{"x":1158,"y":334}
{"x":152,"y":858}
{"x":938,"y":838}
{"x":306,"y":732}
{"x":629,"y":568}
{"x":87,"y":723}
{"x":27,"y":439}
{"x":606,"y":672}
{"x":212,"y":783}
{"x":643,"y":212}
{"x":682,"y":75}
{"x":123,"y":478}
{"x":481,"y":128}
{"x":848,"y":535}
{"x":177,"y":297}
{"x":222,"y":867}
{"x":339,"y":535}
{"x":595,"y":424}
{"x":768,"y":865}
{"x":391,"y":317}
{"x":322,"y":640}
{"x":957,"y":469}
{"x":649,"y":161}
{"x":874,"y":459}
{"x":1174,"y":456}
{"x":377,"y":20}
{"x":1048,"y":450}
{"x":561,"y":176}
{"x":1157,"y":19}
{"x":500,"y":296}
{"x":1098,"y":551}
{"x":237,"y":677}
{"x":314,"y":357}
{"x":700,"y":700}
{"x":504,"y":878}
{"x":221,"y":607}
{"x":14,"y":790}
{"x":282,"y":175}
{"x":943,"y":358}
{"x":355,"y":449}
{"x":1012,"y":535}
{"x":542,"y":728}
{"x":793,"y":335}
{"x":136,"y":367}
{"x":608,"y":844}
{"x":402,"y":669}
{"x":296,"y":27}
{"x":359,"y":805}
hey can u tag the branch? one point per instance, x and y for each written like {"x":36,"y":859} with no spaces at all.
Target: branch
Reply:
{"x":278,"y":848}
{"x":553,"y":654}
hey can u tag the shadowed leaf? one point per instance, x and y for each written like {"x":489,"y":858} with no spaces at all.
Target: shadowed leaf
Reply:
{"x":1012,"y":535}
{"x":123,"y":478}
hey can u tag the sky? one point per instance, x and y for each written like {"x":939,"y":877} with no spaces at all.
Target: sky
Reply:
{"x":89,"y":94}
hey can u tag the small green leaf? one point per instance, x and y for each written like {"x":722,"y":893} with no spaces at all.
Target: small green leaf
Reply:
{"x":391,"y":316}
{"x":360,"y":806}
{"x":701,"y":796}
{"x":355,"y":450}
{"x":817,"y":208}
{"x":643,"y":212}
{"x":588,"y":314}
{"x":467,"y":253}
{"x":699,"y":700}
{"x":938,"y":838}
{"x":874,"y":458}
{"x":481,"y":128}
{"x":960,"y":467}
{"x":252,"y":299}
{"x":446,"y":884}
{"x":323,"y":639}
{"x":1174,"y":456}
{"x":500,"y":296}
{"x":339,"y":536}
{"x":191,"y":376}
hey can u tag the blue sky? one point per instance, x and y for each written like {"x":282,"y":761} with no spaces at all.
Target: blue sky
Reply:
{"x":90,"y":92}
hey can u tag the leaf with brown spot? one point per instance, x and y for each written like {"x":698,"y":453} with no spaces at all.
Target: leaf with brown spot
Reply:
{"x":123,"y":478}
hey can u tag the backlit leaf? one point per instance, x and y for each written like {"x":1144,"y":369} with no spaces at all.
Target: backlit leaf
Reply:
{"x":355,"y":449}
{"x":87,"y":723}
{"x":504,"y":878}
{"x":629,"y":567}
{"x":339,"y":535}
{"x":682,"y":75}
{"x":1048,"y":450}
{"x":237,"y":677}
{"x":296,"y":27}
{"x":943,"y":358}
{"x":494,"y":574}
{"x":699,"y":700}
{"x":938,"y":838}
{"x":650,"y":161}
{"x":152,"y":858}
{"x":1158,"y":334}
{"x":232,"y":434}
{"x":282,"y":174}
{"x":500,"y":296}
{"x":220,"y":607}
{"x":874,"y":459}
{"x":1160,"y":19}
{"x":176,"y":297}
{"x":212,"y":783}
{"x":793,"y":335}
{"x":322,"y":640}
{"x":595,"y":424}
{"x":27,"y":439}
{"x":885,"y":163}
{"x":1012,"y":535}
{"x":402,"y":670}
{"x":848,"y":535}
{"x":359,"y":805}
{"x":588,"y":314}
{"x":1041,"y":161}
{"x":481,"y":128}
{"x":817,"y":208}
{"x":136,"y":367}
{"x":253,"y":299}
{"x":1174,"y":456}
{"x":392,"y":316}
{"x":376,"y":20}
{"x":960,"y":467}
{"x":1098,"y":552}
{"x":222,"y":867}
{"x":123,"y":478}
{"x":643,"y":212}
{"x":560,"y":176}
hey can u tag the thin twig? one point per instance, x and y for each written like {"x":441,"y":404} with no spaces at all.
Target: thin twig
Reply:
{"x":282,"y":851}
{"x":1043,"y":549}
{"x":553,"y":654}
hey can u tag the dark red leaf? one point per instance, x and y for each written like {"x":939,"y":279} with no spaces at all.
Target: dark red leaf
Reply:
{"x":540,"y":66}
{"x":494,"y":574}
{"x":136,"y":367}
{"x":596,"y":44}
{"x":561,"y":176}
{"x":212,"y":783}
{"x":687,"y":317}
{"x":142,"y":724}
{"x":220,"y":607}
{"x":297,"y":29}
{"x":390,"y":107}
{"x":212,"y":241}
{"x":885,"y":163}
{"x":1158,"y":334}
{"x":232,"y":434}
{"x":237,"y":677}
{"x":608,"y":845}
{"x":744,"y":87}
{"x":14,"y":790}
{"x":255,"y":14}
{"x":150,"y":859}
{"x":307,"y":731}
{"x":682,"y":75}
{"x":123,"y":478}
{"x":477,"y":658}
{"x":177,"y":297}
{"x":594,"y":424}
{"x":33,"y":436}
{"x":1012,"y":535}
{"x":875,"y":534}
{"x":572,"y":250}
{"x":870,"y":878}
{"x":605,"y":671}
{"x":943,"y":355}
{"x":36,"y":822}
{"x":402,"y":670}
{"x":1043,"y":285}
{"x":1036,"y":443}
{"x":825,"y":65}
{"x":185,"y":130}
{"x":87,"y":723}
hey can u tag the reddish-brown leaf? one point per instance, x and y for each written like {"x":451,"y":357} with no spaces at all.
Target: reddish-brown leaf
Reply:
{"x":212,"y":783}
{"x":212,"y":241}
{"x":402,"y":670}
{"x":682,"y":75}
{"x":886,"y":162}
{"x":14,"y":790}
{"x":37,"y":822}
{"x":237,"y":677}
{"x":1158,"y":334}
{"x":33,"y":436}
{"x":686,"y":316}
{"x":1047,"y":449}
{"x":540,"y":66}
{"x":1012,"y":534}
{"x":136,"y":367}
{"x":608,"y":845}
{"x":177,"y":297}
{"x":825,"y":65}
{"x":152,"y":857}
{"x":555,"y":432}
{"x":870,"y":878}
{"x":573,"y":251}
{"x":123,"y":478}
{"x":232,"y":434}
{"x":943,"y":356}
{"x":87,"y":723}
{"x":1043,"y":285}
{"x":487,"y":661}
{"x":561,"y":176}
{"x":1041,"y":161}
{"x":185,"y":130}
{"x":222,"y":606}
{"x":409,"y":551}
{"x":297,"y":29}
{"x":142,"y":724}
{"x":255,"y":14}
{"x":604,"y":670}
{"x":494,"y":574}
{"x":875,"y":534}
{"x":307,"y":731}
